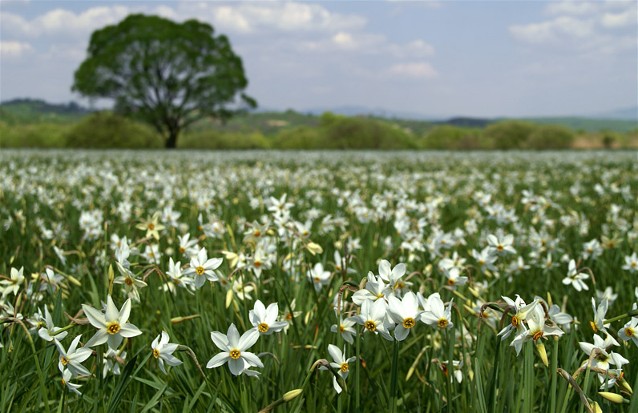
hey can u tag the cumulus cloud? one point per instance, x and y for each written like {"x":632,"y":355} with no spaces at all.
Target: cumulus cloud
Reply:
{"x":584,"y":26}
{"x":14,"y":48}
{"x":413,"y":70}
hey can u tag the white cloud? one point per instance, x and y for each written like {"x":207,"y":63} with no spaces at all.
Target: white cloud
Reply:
{"x":572,"y":7}
{"x":414,"y":70}
{"x":14,"y":48}
{"x":623,"y":19}
{"x":587,"y":27}
{"x":269,"y":16}
{"x":553,"y":30}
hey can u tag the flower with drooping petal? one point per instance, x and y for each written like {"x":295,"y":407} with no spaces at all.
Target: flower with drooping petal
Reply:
{"x":163,"y":351}
{"x":340,"y":363}
{"x":66,"y":382}
{"x":47,"y":333}
{"x":393,"y":276}
{"x":112,"y":325}
{"x":575,"y":278}
{"x":318,"y":276}
{"x":72,"y":358}
{"x":265,"y":319}
{"x":346,"y":329}
{"x":234,"y":351}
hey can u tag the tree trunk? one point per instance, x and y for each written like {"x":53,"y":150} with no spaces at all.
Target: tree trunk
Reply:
{"x":171,"y":141}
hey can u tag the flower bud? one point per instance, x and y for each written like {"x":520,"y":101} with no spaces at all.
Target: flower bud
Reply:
{"x":292,"y":394}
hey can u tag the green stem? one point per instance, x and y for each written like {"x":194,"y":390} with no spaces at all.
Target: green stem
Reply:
{"x":43,"y":388}
{"x":393,"y":377}
{"x":357,"y":375}
{"x":554,"y":375}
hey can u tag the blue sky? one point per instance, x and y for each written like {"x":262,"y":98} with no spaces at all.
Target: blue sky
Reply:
{"x":472,"y":58}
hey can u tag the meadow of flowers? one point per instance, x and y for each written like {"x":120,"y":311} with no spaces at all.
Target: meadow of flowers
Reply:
{"x":318,"y":282}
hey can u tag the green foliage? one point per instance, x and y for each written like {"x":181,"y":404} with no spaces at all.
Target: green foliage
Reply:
{"x":510,"y":134}
{"x":550,"y":137}
{"x":452,"y":137}
{"x":40,"y":135}
{"x":300,"y":137}
{"x":165,"y":73}
{"x":212,"y":139}
{"x":23,"y":111}
{"x":108,"y":130}
{"x":342,"y":132}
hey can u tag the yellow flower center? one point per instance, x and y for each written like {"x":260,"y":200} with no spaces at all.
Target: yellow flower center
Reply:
{"x":370,"y":326}
{"x":593,"y":326}
{"x":263,"y":327}
{"x":64,"y":360}
{"x":234,"y":354}
{"x":443,"y":323}
{"x":408,"y":322}
{"x":516,"y":321}
{"x":450,"y":281}
{"x":199,"y":270}
{"x":257,"y":263}
{"x":256,"y":233}
{"x":341,"y":328}
{"x":151,"y":226}
{"x":344,"y":367}
{"x":317,"y":279}
{"x":629,"y":332}
{"x":63,"y":382}
{"x":128,"y":281}
{"x":538,"y":334}
{"x":182,"y":250}
{"x":112,"y":327}
{"x":156,"y":353}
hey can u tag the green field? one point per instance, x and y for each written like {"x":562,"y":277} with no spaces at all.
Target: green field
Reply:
{"x":318,"y":281}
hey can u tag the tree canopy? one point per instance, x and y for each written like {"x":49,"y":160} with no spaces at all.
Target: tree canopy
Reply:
{"x":165,"y":73}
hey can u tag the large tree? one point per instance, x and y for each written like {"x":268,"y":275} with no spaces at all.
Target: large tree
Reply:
{"x":165,"y":73}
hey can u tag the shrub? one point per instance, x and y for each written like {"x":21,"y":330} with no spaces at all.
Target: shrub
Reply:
{"x":452,"y":137}
{"x":550,"y":137}
{"x":40,"y":135}
{"x":363,"y":133}
{"x":510,"y":134}
{"x":108,"y":130}
{"x":212,"y":139}
{"x":301,"y":137}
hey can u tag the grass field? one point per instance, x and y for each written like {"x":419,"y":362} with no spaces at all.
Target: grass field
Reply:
{"x":148,"y":281}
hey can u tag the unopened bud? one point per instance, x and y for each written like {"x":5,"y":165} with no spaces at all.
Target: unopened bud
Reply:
{"x":314,"y":249}
{"x":542,"y":353}
{"x":612,"y":397}
{"x":292,"y":394}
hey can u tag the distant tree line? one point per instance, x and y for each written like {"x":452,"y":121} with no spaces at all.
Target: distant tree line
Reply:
{"x":330,"y":131}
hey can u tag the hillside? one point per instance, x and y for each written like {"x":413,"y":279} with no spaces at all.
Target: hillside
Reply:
{"x":24,"y":111}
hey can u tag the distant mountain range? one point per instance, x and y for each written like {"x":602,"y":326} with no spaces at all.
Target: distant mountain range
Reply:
{"x":629,"y":114}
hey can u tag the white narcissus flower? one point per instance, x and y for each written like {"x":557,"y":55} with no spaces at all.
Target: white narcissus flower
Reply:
{"x":71,"y":359}
{"x":393,"y":276}
{"x":66,"y":382}
{"x":630,"y":331}
{"x":112,"y":325}
{"x":501,"y":247}
{"x":202,"y":268}
{"x":234,"y":351}
{"x":631,"y":263}
{"x":375,"y":289}
{"x":163,"y":351}
{"x":373,"y":318}
{"x":12,"y":285}
{"x":47,"y":333}
{"x":437,"y":314}
{"x":318,"y":276}
{"x":404,"y":313}
{"x":340,"y":363}
{"x":346,"y":329}
{"x":265,"y":319}
{"x":575,"y":278}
